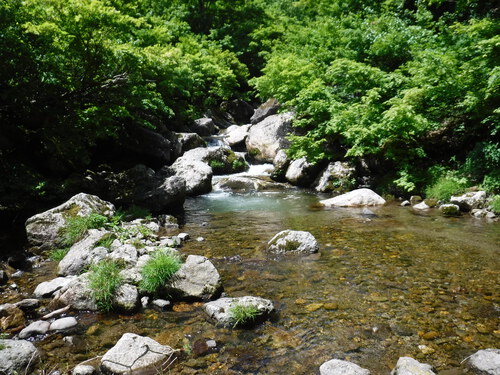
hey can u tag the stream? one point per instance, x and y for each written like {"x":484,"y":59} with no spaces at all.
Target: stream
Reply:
{"x":394,"y":282}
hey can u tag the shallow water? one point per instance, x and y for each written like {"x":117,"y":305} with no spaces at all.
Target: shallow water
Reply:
{"x":385,"y":284}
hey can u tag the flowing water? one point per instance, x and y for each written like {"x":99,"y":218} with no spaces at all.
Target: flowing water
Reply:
{"x":385,"y":284}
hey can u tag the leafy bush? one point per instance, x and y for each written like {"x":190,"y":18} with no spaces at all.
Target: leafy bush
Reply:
{"x":243,"y":315}
{"x":77,"y":226}
{"x":164,"y":263}
{"x":495,"y":204}
{"x":104,"y":280}
{"x":445,"y":187}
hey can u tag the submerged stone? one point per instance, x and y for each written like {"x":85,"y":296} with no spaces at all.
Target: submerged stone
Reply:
{"x":293,"y":241}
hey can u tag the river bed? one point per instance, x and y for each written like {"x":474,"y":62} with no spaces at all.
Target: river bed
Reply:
{"x":388,"y":283}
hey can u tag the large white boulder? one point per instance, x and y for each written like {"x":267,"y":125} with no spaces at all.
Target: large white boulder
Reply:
{"x":267,"y":137}
{"x":293,"y":241}
{"x":358,"y":197}
{"x":485,"y":362}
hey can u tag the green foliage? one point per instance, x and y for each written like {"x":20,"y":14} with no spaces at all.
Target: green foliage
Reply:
{"x":217,"y":165}
{"x":104,"y":279}
{"x":495,"y":204}
{"x":106,"y":241}
{"x":243,"y":314}
{"x":58,"y":254}
{"x":446,"y":186}
{"x":164,"y":263}
{"x":76,"y":227}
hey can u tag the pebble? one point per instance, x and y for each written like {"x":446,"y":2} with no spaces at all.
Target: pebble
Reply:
{"x":200,"y":239}
{"x":430,"y":335}
{"x":313,"y":307}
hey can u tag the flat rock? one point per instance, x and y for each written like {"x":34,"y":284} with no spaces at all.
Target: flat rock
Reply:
{"x":134,"y":354}
{"x":48,"y":288}
{"x":410,"y":366}
{"x":339,"y":367}
{"x":220,"y":310}
{"x":293,"y":241}
{"x":40,"y":327}
{"x":358,"y":197}
{"x":63,"y":324}
{"x":17,"y":357}
{"x":485,"y":362}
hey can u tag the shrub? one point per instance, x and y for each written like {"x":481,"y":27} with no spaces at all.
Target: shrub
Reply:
{"x":445,"y":187}
{"x":58,"y":254}
{"x":495,"y":204}
{"x":77,"y":226}
{"x":104,"y":280}
{"x":164,"y":263}
{"x":243,"y":315}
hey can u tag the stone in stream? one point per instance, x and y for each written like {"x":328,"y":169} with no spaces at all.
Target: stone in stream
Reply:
{"x":293,"y":241}
{"x":410,"y":366}
{"x":63,"y":324}
{"x":236,"y":135}
{"x":17,"y":356}
{"x":135,"y":354}
{"x":40,"y":327}
{"x":470,"y":200}
{"x":337,"y":176}
{"x":77,"y":294}
{"x":339,"y":367}
{"x":198,"y":175}
{"x":44,"y":229}
{"x":83,"y":370}
{"x":301,"y":173}
{"x":204,"y":126}
{"x":220,"y":311}
{"x":358,"y":197}
{"x":484,"y":362}
{"x":126,"y":298}
{"x":186,"y":142}
{"x":449,"y":209}
{"x":48,"y":288}
{"x":11,"y":316}
{"x":196,"y":279}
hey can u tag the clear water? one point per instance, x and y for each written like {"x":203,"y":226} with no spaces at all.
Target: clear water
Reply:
{"x":384,"y":285}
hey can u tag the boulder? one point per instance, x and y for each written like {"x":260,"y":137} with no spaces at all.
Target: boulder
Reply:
{"x":410,"y":366}
{"x":221,"y":159}
{"x":270,"y":107}
{"x":220,"y":310}
{"x":358,"y":197}
{"x":293,"y":241}
{"x":48,"y":288}
{"x":77,"y":294}
{"x":126,"y":298}
{"x":236,"y":135}
{"x":301,"y":173}
{"x":80,"y":254}
{"x":203,"y":126}
{"x":336,"y":177}
{"x":421,"y":206}
{"x":469,"y":201}
{"x":43,"y":230}
{"x":39,"y":327}
{"x":415,"y":199}
{"x":28,"y":304}
{"x":267,"y":137}
{"x":198,"y":175}
{"x":126,"y":253}
{"x":249,"y":183}
{"x":146,"y":145}
{"x":17,"y":356}
{"x":449,"y":210}
{"x":239,"y":110}
{"x":63,"y":324}
{"x":188,"y":141}
{"x":485,"y":362}
{"x":482,"y":212}
{"x":11,"y":316}
{"x":196,"y":279}
{"x":134,"y":354}
{"x":281,"y":162}
{"x":339,"y":367}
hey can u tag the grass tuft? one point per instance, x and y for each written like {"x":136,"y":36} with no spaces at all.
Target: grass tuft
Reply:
{"x":58,"y":254}
{"x":243,"y":315}
{"x":445,"y":187}
{"x":158,"y":270}
{"x":104,"y":280}
{"x":77,"y":226}
{"x":495,"y":204}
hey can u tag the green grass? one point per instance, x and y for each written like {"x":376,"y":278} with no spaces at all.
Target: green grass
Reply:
{"x":77,"y":226}
{"x":58,"y":254}
{"x":106,"y":241}
{"x":445,"y":187}
{"x":495,"y":204}
{"x":243,"y":315}
{"x":104,"y":280}
{"x":159,"y":270}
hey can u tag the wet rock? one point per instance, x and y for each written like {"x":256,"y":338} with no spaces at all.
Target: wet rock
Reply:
{"x":421,"y":206}
{"x":79,"y":256}
{"x":336,"y":177}
{"x":203,"y":347}
{"x":77,"y":294}
{"x":482,"y":212}
{"x":48,"y":288}
{"x":134,"y":354}
{"x":198,"y":175}
{"x":292,"y":241}
{"x":339,"y":367}
{"x":196,"y":279}
{"x":126,"y":298}
{"x":410,"y":366}
{"x":469,"y":201}
{"x":221,"y":159}
{"x":183,"y":236}
{"x":414,"y":199}
{"x":17,"y":356}
{"x":63,"y":324}
{"x":235,"y":136}
{"x":301,"y":173}
{"x":358,"y":197}
{"x":220,"y":310}
{"x":485,"y":362}
{"x":28,"y":304}
{"x":449,"y":210}
{"x":249,"y":183}
{"x":203,"y":126}
{"x":43,"y":229}
{"x":269,"y":108}
{"x":188,"y":141}
{"x":11,"y":316}
{"x":267,"y":137}
{"x":83,"y":370}
{"x":40,"y":327}
{"x":161,"y":304}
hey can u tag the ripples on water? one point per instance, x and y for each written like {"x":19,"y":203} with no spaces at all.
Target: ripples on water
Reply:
{"x":396,"y":283}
